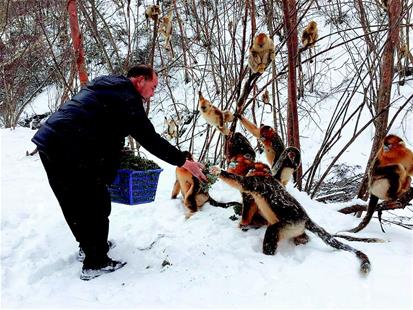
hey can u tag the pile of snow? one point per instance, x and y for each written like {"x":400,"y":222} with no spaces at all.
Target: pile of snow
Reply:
{"x":203,"y":262}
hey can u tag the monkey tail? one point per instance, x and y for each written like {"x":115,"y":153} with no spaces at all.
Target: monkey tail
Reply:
{"x":366,"y":220}
{"x":368,"y":240}
{"x":225,"y":205}
{"x":365,"y":265}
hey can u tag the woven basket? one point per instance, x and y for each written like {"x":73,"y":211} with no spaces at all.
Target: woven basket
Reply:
{"x":134,"y":187}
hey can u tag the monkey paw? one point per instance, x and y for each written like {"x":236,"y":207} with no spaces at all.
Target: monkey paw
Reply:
{"x":261,"y":68}
{"x":301,"y":239}
{"x":188,"y":214}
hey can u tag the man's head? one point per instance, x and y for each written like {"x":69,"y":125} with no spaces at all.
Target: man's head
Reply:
{"x":144,"y":79}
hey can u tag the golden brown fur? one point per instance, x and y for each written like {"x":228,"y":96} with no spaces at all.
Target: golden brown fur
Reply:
{"x":215,"y":116}
{"x":310,"y":35}
{"x":195,"y":195}
{"x":266,"y":97}
{"x":273,"y":145}
{"x":286,"y":218}
{"x":171,"y":128}
{"x":390,"y":175}
{"x":393,"y":166}
{"x":165,"y":28}
{"x":261,"y":53}
{"x":240,"y":165}
{"x":189,"y":186}
{"x":251,"y":215}
{"x":283,"y":161}
{"x":152,"y":12}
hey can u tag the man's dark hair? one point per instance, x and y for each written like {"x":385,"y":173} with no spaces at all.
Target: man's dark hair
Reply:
{"x":141,"y":70}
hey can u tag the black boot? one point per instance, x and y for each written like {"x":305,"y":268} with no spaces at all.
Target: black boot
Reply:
{"x":91,"y":271}
{"x":81,"y":254}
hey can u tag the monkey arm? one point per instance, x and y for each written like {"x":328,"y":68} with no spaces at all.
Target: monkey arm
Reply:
{"x":190,"y":199}
{"x":254,"y":130}
{"x":249,"y":209}
{"x":231,"y":179}
{"x":228,"y":116}
{"x":272,"y":54}
{"x":175,"y":189}
{"x":252,"y":61}
{"x":221,"y":122}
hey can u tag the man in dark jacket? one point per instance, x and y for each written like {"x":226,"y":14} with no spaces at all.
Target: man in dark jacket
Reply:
{"x":80,"y":146}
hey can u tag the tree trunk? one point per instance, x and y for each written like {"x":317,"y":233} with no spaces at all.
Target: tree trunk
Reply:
{"x":386,"y":77}
{"x":290,"y":24}
{"x":77,"y":41}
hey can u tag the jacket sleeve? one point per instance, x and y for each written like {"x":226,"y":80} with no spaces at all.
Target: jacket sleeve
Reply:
{"x":143,"y":131}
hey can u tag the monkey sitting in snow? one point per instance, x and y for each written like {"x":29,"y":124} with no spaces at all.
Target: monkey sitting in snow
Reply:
{"x":240,"y":157}
{"x":194,"y":193}
{"x":286,"y":217}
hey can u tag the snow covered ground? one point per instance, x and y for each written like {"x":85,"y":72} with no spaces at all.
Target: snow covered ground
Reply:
{"x":212,"y":263}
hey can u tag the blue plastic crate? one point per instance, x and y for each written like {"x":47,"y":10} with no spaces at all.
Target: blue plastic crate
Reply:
{"x":134,"y":187}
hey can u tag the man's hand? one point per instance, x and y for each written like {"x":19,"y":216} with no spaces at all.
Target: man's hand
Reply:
{"x":195,"y":168}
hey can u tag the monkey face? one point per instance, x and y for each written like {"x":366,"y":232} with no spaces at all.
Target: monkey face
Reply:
{"x":293,"y":162}
{"x":266,"y":133}
{"x":261,"y":40}
{"x":152,"y":12}
{"x":204,"y":105}
{"x":391,"y":142}
{"x":240,"y":165}
{"x":312,"y":25}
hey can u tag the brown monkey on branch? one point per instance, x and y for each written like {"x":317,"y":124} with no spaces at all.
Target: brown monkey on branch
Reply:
{"x":194,"y":194}
{"x":287,"y":219}
{"x":165,"y":28}
{"x":266,"y":97}
{"x":308,"y":39}
{"x":215,"y":116}
{"x":171,"y":128}
{"x":384,"y":4}
{"x":152,"y":12}
{"x":389,"y":176}
{"x":310,"y":35}
{"x":261,"y":53}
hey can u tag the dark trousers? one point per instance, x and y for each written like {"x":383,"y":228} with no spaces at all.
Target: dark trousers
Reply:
{"x":85,"y":202}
